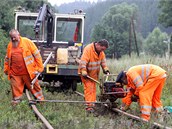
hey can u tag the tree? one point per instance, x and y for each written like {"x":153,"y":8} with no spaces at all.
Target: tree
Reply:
{"x":6,"y":15}
{"x":3,"y":45}
{"x":114,"y":27}
{"x":8,"y":7}
{"x":165,"y":17}
{"x":7,"y":10}
{"x":154,"y":44}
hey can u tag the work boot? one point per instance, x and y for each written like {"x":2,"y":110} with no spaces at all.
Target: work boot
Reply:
{"x":91,"y":111}
{"x":15,"y":102}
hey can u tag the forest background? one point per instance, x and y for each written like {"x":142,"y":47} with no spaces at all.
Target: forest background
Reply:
{"x":131,"y":26}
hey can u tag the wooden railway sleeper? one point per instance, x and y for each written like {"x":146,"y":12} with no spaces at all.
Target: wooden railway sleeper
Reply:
{"x":38,"y":114}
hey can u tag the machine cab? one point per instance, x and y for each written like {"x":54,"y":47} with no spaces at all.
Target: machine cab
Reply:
{"x":65,"y":27}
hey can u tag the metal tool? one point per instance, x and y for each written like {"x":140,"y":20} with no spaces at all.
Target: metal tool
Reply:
{"x":93,"y":80}
{"x":67,"y":101}
{"x":45,"y":63}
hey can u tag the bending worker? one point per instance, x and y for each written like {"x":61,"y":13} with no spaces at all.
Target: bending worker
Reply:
{"x":145,"y":83}
{"x":93,"y":57}
{"x":22,"y":62}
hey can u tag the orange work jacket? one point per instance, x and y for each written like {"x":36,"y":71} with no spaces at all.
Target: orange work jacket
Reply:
{"x":31,"y":55}
{"x":91,"y":61}
{"x":138,"y":76}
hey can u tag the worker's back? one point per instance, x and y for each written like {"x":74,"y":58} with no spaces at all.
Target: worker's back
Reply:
{"x":146,"y":71}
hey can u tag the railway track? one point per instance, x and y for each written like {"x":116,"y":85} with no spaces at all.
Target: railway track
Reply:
{"x":49,"y":126}
{"x":38,"y":114}
{"x":132,"y":116}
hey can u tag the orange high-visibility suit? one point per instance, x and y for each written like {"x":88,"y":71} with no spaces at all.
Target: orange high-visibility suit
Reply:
{"x":147,"y":81}
{"x":20,"y":64}
{"x":91,"y":62}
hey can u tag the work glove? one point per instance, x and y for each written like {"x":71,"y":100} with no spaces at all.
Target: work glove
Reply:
{"x":84,"y":73}
{"x":134,"y":98}
{"x":106,"y":70}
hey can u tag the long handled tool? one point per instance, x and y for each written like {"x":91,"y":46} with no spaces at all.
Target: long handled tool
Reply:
{"x":93,"y":80}
{"x":45,"y":63}
{"x":99,"y":82}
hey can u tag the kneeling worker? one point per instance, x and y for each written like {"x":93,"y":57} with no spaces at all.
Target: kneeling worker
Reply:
{"x":145,"y":83}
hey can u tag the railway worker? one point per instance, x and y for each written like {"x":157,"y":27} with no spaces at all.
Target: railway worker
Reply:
{"x":145,"y":83}
{"x":92,"y":58}
{"x":22,"y":62}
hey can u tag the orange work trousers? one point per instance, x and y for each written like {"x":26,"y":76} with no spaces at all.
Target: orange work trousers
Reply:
{"x":17,"y":86}
{"x":150,"y":96}
{"x":89,"y":92}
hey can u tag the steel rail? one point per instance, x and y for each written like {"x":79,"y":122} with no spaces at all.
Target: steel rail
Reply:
{"x":139,"y":118}
{"x":67,"y":101}
{"x":132,"y":116}
{"x":42,"y":118}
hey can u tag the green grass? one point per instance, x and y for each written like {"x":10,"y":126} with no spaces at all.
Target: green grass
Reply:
{"x":73,"y":116}
{"x":18,"y":117}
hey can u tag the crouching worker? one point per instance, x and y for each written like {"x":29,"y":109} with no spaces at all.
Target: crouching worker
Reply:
{"x":145,"y":83}
{"x":92,"y":58}
{"x":22,"y":62}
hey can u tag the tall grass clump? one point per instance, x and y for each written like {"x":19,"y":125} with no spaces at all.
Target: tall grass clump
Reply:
{"x":18,"y":117}
{"x":126,"y":62}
